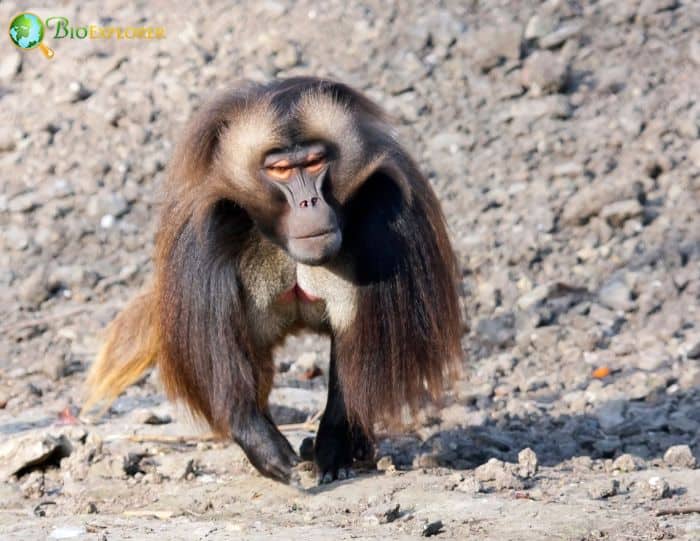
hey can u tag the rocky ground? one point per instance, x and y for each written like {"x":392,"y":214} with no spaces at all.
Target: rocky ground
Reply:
{"x":563,"y":139}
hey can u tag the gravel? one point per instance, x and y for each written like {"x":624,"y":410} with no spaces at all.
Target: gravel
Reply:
{"x":562,"y":139}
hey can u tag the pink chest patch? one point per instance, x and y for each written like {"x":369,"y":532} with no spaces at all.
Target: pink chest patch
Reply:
{"x":296,"y":294}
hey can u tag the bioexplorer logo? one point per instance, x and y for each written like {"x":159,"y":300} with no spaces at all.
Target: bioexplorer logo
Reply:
{"x":27,"y":31}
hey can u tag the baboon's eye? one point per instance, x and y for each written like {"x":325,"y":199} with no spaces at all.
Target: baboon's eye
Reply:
{"x":281,"y":170}
{"x":314,"y":163}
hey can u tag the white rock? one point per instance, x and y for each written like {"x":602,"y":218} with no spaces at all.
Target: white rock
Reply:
{"x":67,"y":532}
{"x":680,"y":456}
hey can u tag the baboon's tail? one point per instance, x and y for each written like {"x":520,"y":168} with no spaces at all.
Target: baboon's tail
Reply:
{"x":130,"y":349}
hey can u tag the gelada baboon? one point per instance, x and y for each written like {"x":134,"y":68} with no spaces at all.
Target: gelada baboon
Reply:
{"x":291,"y":206}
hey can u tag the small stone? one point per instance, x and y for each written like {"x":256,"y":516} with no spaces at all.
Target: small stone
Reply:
{"x":582,"y":464}
{"x":680,"y":456}
{"x":109,"y":203}
{"x":616,"y":214}
{"x":614,"y":79}
{"x":627,"y":463}
{"x":491,"y":45}
{"x":556,"y":106}
{"x":498,"y":331}
{"x":386,"y":464}
{"x":286,"y":56}
{"x":527,"y":460}
{"x":616,"y":295}
{"x":469,"y":486}
{"x":692,"y":350}
{"x":15,"y":238}
{"x":107,"y":221}
{"x":20,"y":454}
{"x":35,"y":288}
{"x":507,"y":480}
{"x":657,"y":488}
{"x":490,"y":470}
{"x":589,"y":200}
{"x":561,"y":34}
{"x":433,"y":528}
{"x":539,"y":26}
{"x":427,"y":460}
{"x":71,"y":276}
{"x":67,"y":532}
{"x":108,"y":468}
{"x":24,"y":202}
{"x":151,"y":418}
{"x":547,"y":291}
{"x":543,"y":73}
{"x":73,"y":93}
{"x":603,"y":489}
{"x":568,"y":169}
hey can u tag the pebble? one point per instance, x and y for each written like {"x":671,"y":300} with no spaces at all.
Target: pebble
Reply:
{"x":490,"y":470}
{"x":35,"y":288}
{"x":539,"y":25}
{"x":491,"y":45}
{"x":617,"y":213}
{"x":500,"y":473}
{"x":600,"y":490}
{"x":469,"y":486}
{"x":31,"y":450}
{"x":498,"y":331}
{"x":286,"y":56}
{"x":592,"y":198}
{"x":386,"y":464}
{"x":657,"y":488}
{"x":627,"y":463}
{"x":680,"y":456}
{"x":556,"y":106}
{"x":67,"y":532}
{"x":616,"y":295}
{"x":543,"y":73}
{"x":507,"y":480}
{"x":432,"y":528}
{"x":692,"y":349}
{"x":561,"y":34}
{"x":527,"y":460}
{"x":25,"y":202}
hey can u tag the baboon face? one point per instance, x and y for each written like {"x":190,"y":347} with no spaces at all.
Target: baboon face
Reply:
{"x":308,"y":226}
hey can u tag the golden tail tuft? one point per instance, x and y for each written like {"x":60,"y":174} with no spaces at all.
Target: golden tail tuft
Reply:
{"x":130,"y":349}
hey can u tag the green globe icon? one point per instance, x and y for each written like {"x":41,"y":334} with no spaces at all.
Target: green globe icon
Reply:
{"x":27,"y":32}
